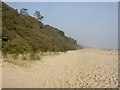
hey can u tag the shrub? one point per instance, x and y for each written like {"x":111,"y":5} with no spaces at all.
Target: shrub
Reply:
{"x":17,"y":45}
{"x":33,"y":56}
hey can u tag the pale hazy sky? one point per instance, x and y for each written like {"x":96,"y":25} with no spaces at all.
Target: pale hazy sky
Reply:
{"x":93,"y":24}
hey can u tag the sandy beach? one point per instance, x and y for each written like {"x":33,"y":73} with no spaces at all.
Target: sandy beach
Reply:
{"x":86,"y":68}
{"x":0,"y":75}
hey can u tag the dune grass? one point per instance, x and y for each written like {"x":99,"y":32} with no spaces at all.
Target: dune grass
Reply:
{"x":25,"y":59}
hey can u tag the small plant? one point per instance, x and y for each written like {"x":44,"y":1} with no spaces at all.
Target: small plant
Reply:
{"x":24,"y":58}
{"x":33,"y":56}
{"x":15,"y":56}
{"x":4,"y":55}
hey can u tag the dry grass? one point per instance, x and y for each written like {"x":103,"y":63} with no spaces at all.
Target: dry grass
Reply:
{"x":26,"y":59}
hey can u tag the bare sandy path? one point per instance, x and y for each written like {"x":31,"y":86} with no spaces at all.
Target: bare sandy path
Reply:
{"x":87,"y":68}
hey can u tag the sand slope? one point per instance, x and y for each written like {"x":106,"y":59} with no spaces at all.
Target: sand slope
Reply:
{"x":86,"y":68}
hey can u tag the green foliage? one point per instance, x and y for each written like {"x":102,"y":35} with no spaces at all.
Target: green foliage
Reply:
{"x":22,"y":34}
{"x":0,"y":9}
{"x":38,"y":16}
{"x":16,"y":45}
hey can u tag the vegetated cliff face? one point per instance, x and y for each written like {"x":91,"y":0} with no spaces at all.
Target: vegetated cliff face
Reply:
{"x":23,"y":33}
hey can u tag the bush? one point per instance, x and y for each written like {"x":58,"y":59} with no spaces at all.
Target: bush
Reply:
{"x":17,"y":45}
{"x":33,"y":56}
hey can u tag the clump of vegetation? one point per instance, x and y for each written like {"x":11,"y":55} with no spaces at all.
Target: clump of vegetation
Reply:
{"x":21,"y":59}
{"x":33,"y":56}
{"x":16,"y":45}
{"x":25,"y":59}
{"x":0,"y":10}
{"x":23,"y":11}
{"x":38,"y":16}
{"x":25,"y":34}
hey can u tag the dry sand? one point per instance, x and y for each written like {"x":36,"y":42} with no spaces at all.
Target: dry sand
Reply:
{"x":86,"y":68}
{"x":0,"y":75}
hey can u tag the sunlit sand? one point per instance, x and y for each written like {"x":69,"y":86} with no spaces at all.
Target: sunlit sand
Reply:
{"x":86,"y":68}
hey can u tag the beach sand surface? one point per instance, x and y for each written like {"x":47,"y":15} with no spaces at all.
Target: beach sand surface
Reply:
{"x":85,"y":68}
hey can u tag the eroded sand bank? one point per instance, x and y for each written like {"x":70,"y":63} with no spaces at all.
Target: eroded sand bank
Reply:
{"x":86,"y":68}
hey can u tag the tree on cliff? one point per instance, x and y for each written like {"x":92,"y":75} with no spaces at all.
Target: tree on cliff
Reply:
{"x":38,"y":16}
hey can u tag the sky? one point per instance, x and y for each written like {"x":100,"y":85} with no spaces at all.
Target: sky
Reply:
{"x":92,"y":24}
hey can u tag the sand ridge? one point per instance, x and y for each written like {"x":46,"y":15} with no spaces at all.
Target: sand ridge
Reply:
{"x":86,"y":68}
